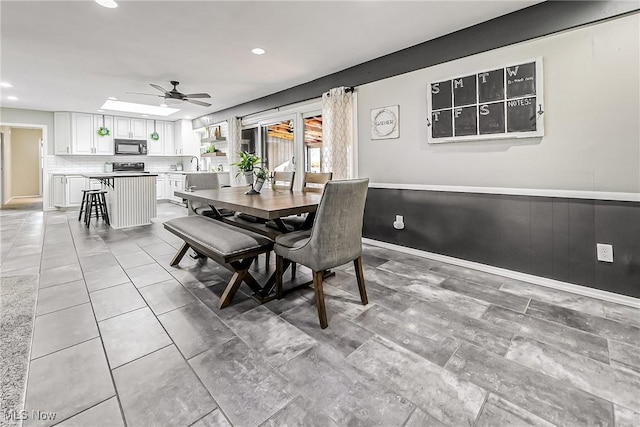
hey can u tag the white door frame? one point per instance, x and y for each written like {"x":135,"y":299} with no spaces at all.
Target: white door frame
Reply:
{"x":43,"y":173}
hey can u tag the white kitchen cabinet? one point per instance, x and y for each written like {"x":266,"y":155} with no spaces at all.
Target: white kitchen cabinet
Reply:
{"x":67,"y":190}
{"x":81,"y":133}
{"x":61,"y":133}
{"x":186,"y":141}
{"x":175,"y":182}
{"x":169,"y":139}
{"x":155,"y":148}
{"x":59,"y":190}
{"x":102,"y":145}
{"x":129,"y":127}
{"x":160,"y":187}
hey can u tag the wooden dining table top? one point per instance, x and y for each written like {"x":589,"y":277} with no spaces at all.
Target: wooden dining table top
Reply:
{"x":268,"y":204}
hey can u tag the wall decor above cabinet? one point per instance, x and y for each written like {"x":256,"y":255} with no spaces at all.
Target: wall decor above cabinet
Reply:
{"x":497,"y":103}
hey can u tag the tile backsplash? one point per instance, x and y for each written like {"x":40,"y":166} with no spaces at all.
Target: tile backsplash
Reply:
{"x":79,"y":164}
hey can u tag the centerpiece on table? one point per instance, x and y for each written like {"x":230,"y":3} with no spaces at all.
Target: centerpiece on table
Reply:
{"x":245,"y":165}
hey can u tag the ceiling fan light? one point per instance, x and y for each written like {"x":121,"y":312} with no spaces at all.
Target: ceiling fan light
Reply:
{"x":107,"y":3}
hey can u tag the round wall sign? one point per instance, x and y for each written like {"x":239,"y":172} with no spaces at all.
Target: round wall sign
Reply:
{"x":385,"y":122}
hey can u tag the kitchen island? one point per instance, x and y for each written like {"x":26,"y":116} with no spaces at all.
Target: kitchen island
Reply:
{"x":131,"y":197}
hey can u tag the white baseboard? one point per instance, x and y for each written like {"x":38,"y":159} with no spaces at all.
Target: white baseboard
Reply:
{"x":536,"y":280}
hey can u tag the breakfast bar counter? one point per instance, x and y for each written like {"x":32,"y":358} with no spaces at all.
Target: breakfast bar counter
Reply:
{"x":131,"y":197}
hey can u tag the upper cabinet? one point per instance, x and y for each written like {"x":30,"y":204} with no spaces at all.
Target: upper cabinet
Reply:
{"x":155,"y":147}
{"x":187,"y":143}
{"x":77,"y":133}
{"x":129,"y":127}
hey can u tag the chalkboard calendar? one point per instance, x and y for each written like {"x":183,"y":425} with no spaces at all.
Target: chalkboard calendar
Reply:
{"x":503,"y":102}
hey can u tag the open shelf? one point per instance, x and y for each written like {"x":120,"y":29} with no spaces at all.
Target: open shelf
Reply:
{"x":215,"y":154}
{"x":212,"y":140}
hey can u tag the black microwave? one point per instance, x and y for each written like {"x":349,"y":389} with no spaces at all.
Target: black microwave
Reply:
{"x":131,"y":146}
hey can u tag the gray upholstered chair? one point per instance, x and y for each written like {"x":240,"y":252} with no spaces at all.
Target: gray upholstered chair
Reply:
{"x":313,"y":182}
{"x":203,"y":181}
{"x":334,"y":239}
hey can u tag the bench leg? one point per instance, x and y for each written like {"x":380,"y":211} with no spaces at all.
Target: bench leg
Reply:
{"x":240,"y":274}
{"x":176,"y":259}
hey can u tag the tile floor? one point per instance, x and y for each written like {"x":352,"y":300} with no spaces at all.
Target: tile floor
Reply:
{"x":121,"y":338}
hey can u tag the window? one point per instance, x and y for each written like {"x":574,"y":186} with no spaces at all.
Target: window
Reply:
{"x":278,"y":148}
{"x":313,"y":143}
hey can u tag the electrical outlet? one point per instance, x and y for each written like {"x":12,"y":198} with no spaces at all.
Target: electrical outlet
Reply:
{"x":605,"y":252}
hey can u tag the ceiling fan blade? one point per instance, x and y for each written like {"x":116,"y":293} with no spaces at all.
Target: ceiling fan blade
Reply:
{"x":203,"y":104}
{"x":146,"y":94}
{"x":198,"y":95}
{"x":158,"y":87}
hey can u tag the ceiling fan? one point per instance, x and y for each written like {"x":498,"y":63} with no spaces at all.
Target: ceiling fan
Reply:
{"x":174,"y":95}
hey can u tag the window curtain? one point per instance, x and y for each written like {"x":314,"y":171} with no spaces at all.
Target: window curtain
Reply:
{"x":337,"y":133}
{"x":235,"y":137}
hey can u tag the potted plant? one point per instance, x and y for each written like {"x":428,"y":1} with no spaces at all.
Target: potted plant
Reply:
{"x":246,"y":164}
{"x":261,"y":176}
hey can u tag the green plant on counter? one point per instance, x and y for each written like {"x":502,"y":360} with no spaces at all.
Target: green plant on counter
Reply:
{"x":261,"y":173}
{"x":103,"y":131}
{"x":154,"y":136}
{"x":247,"y":162}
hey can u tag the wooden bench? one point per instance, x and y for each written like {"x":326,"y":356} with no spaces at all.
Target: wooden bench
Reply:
{"x":232,"y":247}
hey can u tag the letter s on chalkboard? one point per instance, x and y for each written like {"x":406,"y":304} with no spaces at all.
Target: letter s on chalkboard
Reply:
{"x":435,"y":88}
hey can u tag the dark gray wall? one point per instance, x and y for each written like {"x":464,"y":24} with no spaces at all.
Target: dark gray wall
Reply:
{"x":548,"y":237}
{"x":535,"y":21}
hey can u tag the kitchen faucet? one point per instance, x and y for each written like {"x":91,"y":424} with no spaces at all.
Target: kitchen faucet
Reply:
{"x":197,"y":162}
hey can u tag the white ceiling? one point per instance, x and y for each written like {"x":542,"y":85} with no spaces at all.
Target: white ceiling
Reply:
{"x":72,"y":55}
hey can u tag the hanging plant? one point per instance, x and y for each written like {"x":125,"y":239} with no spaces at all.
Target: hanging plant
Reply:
{"x":154,"y":136}
{"x":103,"y":130}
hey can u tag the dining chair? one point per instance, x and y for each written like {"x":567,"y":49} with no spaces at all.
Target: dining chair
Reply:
{"x":282,"y":180}
{"x":202,"y":181}
{"x":314,"y":183}
{"x":334,"y":239}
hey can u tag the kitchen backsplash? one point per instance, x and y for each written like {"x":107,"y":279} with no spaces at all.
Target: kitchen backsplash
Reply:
{"x":78,"y":164}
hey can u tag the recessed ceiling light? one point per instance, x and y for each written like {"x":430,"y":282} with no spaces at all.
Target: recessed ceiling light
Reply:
{"x":131,"y":107}
{"x":113,"y":98}
{"x":12,"y":98}
{"x":107,"y":3}
{"x":258,"y":51}
{"x":163,"y":105}
{"x":6,"y":84}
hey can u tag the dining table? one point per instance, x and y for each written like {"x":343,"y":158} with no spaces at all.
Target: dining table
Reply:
{"x":270,"y":205}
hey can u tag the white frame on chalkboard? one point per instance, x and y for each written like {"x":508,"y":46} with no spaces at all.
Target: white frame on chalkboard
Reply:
{"x":539,"y":132}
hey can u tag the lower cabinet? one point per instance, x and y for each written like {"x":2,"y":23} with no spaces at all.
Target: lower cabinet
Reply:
{"x":67,"y":189}
{"x":160,"y":187}
{"x":174,"y":182}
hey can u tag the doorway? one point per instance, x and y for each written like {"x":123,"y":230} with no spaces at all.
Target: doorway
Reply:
{"x":22,"y":167}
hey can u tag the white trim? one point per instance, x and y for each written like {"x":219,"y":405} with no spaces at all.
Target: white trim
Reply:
{"x":536,"y":280}
{"x":569,"y":194}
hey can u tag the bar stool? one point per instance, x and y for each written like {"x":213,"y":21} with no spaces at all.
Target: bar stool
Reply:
{"x":83,"y":205}
{"x":97,"y":200}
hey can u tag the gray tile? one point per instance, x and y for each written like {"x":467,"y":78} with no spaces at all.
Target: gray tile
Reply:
{"x":97,"y":262}
{"x":160,"y":249}
{"x":11,"y":263}
{"x":554,"y":296}
{"x":132,"y":335}
{"x":105,"y":278}
{"x":58,"y":261}
{"x":166,"y":296}
{"x":61,"y":296}
{"x":68,"y":381}
{"x":149,"y":274}
{"x":419,"y":418}
{"x":553,"y":400}
{"x":500,"y":412}
{"x":470,"y":275}
{"x":413,"y":272}
{"x":594,"y":377}
{"x":622,"y":313}
{"x":105,"y":414}
{"x":62,"y":329}
{"x":213,"y":419}
{"x":445,"y":298}
{"x":58,"y":275}
{"x":116,"y":300}
{"x":243,"y":384}
{"x":336,"y":300}
{"x":123,"y":247}
{"x":276,"y":340}
{"x":134,"y":259}
{"x":432,"y":388}
{"x":585,"y":322}
{"x":194,"y":329}
{"x":624,"y":356}
{"x":626,"y":417}
{"x":210,"y":296}
{"x":300,"y":412}
{"x":161,"y":384}
{"x":342,"y":335}
{"x":418,"y":337}
{"x":455,"y":324}
{"x":488,"y":294}
{"x":551,"y":333}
